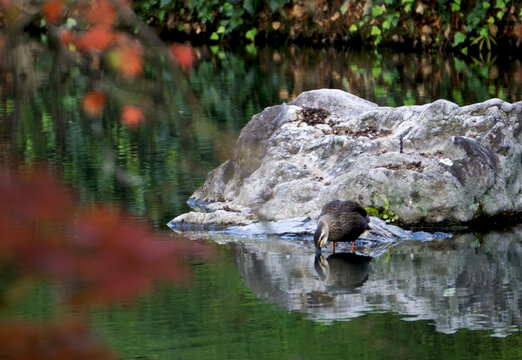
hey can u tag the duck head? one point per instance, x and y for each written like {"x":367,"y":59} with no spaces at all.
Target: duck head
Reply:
{"x":321,"y":234}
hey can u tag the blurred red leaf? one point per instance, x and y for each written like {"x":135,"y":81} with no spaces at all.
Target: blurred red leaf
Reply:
{"x":101,"y":13}
{"x":52,"y":10}
{"x":6,"y":3}
{"x":127,"y":60}
{"x":66,"y":37}
{"x":95,"y":38}
{"x":98,"y":255}
{"x":132,"y":115}
{"x":93,"y":102}
{"x":184,"y":55}
{"x":33,"y":221}
{"x":64,"y":340}
{"x":125,"y":259}
{"x":33,"y":195}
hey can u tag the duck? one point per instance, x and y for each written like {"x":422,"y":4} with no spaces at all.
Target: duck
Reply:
{"x":340,"y":221}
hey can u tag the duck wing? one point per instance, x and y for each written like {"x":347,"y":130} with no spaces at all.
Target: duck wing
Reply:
{"x":348,"y":226}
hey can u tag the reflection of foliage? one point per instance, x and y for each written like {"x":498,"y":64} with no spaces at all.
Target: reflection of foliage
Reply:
{"x":382,"y":212}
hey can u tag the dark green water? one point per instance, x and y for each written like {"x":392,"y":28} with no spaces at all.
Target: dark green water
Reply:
{"x":458,"y":298}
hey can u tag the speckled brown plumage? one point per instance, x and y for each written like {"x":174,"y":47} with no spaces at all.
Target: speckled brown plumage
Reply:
{"x":340,"y":221}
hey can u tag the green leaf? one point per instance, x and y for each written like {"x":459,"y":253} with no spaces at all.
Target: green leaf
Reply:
{"x":371,"y":211}
{"x":500,"y":15}
{"x":164,"y":3}
{"x":377,"y":10}
{"x":483,"y":31}
{"x":214,"y":36}
{"x":491,"y":20}
{"x":458,"y":38}
{"x":386,"y":24}
{"x":353,"y":28}
{"x":227,"y":6}
{"x":71,"y":23}
{"x":500,"y":4}
{"x":486,"y":5}
{"x":234,"y":23}
{"x":344,"y":9}
{"x":251,"y":34}
{"x":250,"y":6}
{"x":375,"y":30}
{"x":221,"y":30}
{"x":251,"y":49}
{"x":455,"y":7}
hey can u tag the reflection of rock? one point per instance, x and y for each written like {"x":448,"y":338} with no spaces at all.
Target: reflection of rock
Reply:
{"x":436,"y":162}
{"x":343,"y":270}
{"x":457,"y":283}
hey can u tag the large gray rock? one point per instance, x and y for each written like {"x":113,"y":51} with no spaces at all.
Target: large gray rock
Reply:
{"x":435,"y":163}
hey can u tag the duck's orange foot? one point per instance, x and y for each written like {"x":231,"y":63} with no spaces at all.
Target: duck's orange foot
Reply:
{"x":353,"y":247}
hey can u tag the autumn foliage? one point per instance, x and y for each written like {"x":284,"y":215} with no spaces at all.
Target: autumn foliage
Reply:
{"x":93,"y":102}
{"x":106,"y":254}
{"x":70,"y":340}
{"x":89,"y":255}
{"x":52,"y":10}
{"x":183,"y":54}
{"x":91,"y":30}
{"x":98,"y":256}
{"x":132,"y":116}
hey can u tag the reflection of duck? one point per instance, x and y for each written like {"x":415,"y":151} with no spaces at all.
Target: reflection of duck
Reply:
{"x":344,"y":270}
{"x":340,"y":221}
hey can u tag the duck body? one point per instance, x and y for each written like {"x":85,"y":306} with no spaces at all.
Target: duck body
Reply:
{"x":341,"y":221}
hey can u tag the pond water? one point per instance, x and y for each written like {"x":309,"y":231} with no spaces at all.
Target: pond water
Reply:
{"x":267,"y":297}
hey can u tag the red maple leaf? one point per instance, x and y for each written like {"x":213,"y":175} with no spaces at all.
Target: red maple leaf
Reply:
{"x":93,"y":102}
{"x":102,"y":14}
{"x":127,"y":60}
{"x":95,"y":38}
{"x":99,"y":256}
{"x":184,"y":55}
{"x":52,"y":10}
{"x":69,"y":339}
{"x":132,"y":115}
{"x":66,"y":37}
